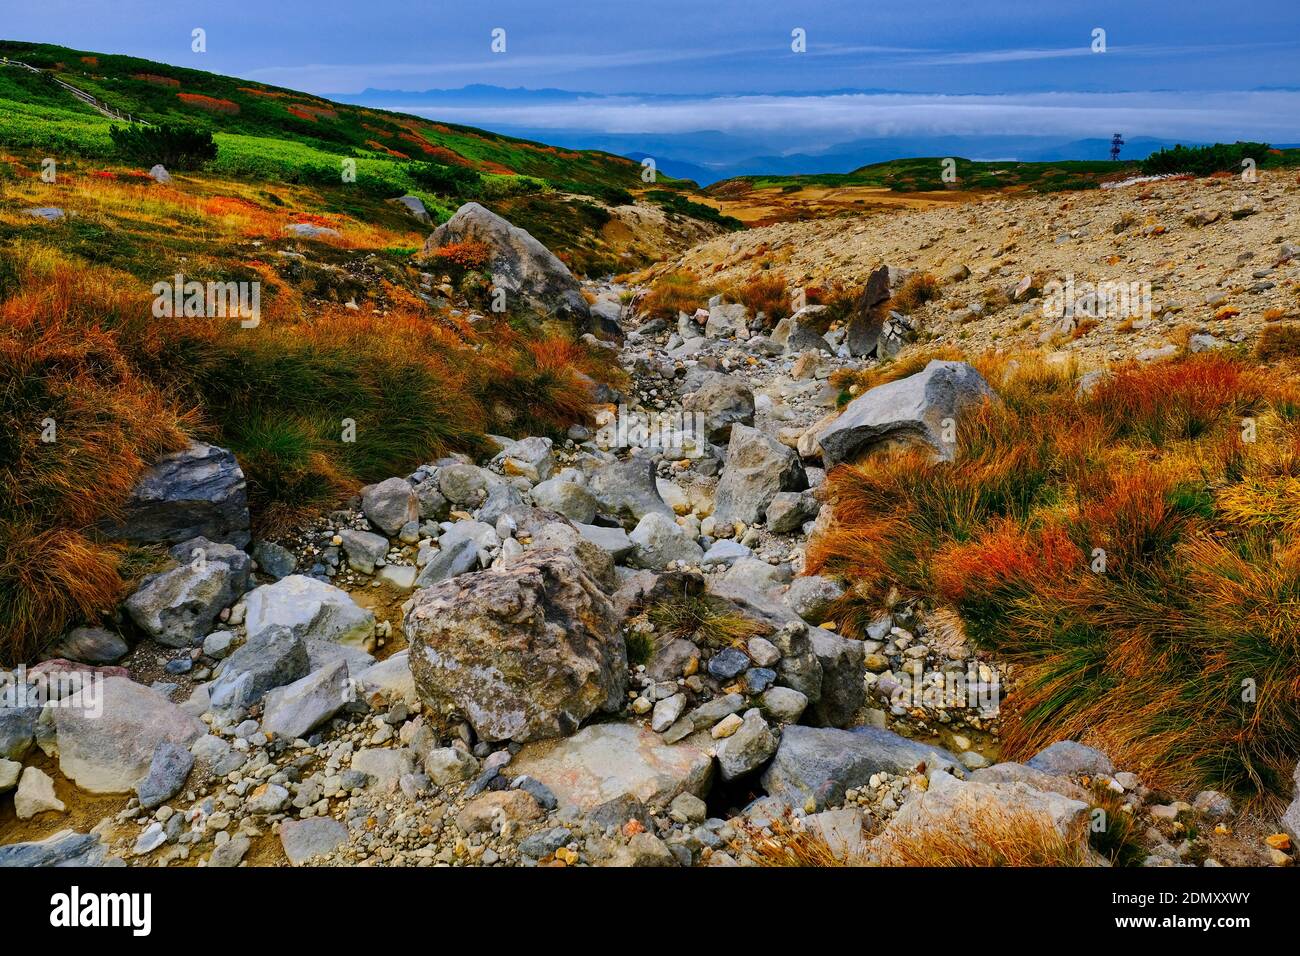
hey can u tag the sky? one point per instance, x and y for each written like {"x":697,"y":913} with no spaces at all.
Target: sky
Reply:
{"x":870,"y":68}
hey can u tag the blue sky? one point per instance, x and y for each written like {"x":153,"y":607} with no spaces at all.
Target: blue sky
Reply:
{"x":1172,"y":68}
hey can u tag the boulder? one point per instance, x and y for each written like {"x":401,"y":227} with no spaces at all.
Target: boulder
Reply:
{"x":529,"y":457}
{"x":785,"y":705}
{"x":108,"y":732}
{"x":465,"y":485}
{"x":660,"y":541}
{"x":613,"y":541}
{"x":607,"y":761}
{"x":273,"y":657}
{"x":199,"y":490}
{"x":965,"y":808}
{"x":567,"y":498}
{"x":65,"y":848}
{"x":294,"y":710}
{"x":180,"y":606}
{"x":757,"y":468}
{"x":866,"y":318}
{"x":720,"y":403}
{"x":457,"y":557}
{"x":415,"y":206}
{"x":390,"y":504}
{"x":35,"y":795}
{"x":919,"y":410}
{"x":843,"y":692}
{"x":88,"y":645}
{"x":310,"y":609}
{"x":789,"y":510}
{"x":627,"y":489}
{"x":523,"y":652}
{"x":726,"y":319}
{"x":274,"y":560}
{"x":158,"y":173}
{"x":751,"y":746}
{"x":17,"y":728}
{"x":795,"y":336}
{"x":391,"y":676}
{"x":10,"y":770}
{"x":531,"y":276}
{"x":813,"y":597}
{"x":818,"y":764}
{"x":1067,"y":758}
{"x":312,"y":837}
{"x":363,"y":549}
{"x":594,"y":560}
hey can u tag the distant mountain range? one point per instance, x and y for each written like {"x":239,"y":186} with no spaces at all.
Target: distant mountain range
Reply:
{"x":710,"y":155}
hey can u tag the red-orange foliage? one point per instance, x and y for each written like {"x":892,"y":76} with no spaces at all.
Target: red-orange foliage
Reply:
{"x":210,"y":103}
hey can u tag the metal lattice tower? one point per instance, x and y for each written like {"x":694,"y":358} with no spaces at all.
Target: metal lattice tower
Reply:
{"x":1116,"y":142}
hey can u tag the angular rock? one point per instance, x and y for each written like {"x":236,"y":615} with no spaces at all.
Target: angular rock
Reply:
{"x":721,"y":403}
{"x":315,"y":836}
{"x":17,"y":729}
{"x":785,"y":705}
{"x":606,"y":761}
{"x":627,"y":489}
{"x":108,"y":732}
{"x":921,"y":409}
{"x":274,"y":560}
{"x":390,"y":504}
{"x":756,"y":470}
{"x":448,"y":765}
{"x":843,"y":692}
{"x":531,"y":276}
{"x":292,"y":711}
{"x":88,"y":645}
{"x":751,"y":746}
{"x":168,"y":770}
{"x":789,"y":510}
{"x":273,"y":657}
{"x":35,"y":795}
{"x":489,"y":812}
{"x":567,"y":498}
{"x":311,"y":609}
{"x":458,"y":557}
{"x":363,"y":549}
{"x":65,"y":848}
{"x":179,"y":607}
{"x":613,"y":541}
{"x":523,"y":652}
{"x":1067,"y":758}
{"x":820,"y":763}
{"x":813,"y":597}
{"x":199,"y":490}
{"x":660,"y":541}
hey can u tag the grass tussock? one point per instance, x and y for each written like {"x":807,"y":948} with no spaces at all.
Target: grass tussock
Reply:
{"x":763,"y":293}
{"x":786,"y":842}
{"x":702,"y":619}
{"x":916,"y":290}
{"x":1278,"y":340}
{"x":981,"y":838}
{"x":675,"y":292}
{"x":1137,"y":550}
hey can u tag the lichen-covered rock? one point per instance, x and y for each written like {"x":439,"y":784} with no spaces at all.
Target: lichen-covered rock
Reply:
{"x":523,"y":652}
{"x":199,"y":490}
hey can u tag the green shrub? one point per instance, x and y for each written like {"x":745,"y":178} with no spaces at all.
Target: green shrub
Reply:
{"x":176,"y":147}
{"x":1204,"y":160}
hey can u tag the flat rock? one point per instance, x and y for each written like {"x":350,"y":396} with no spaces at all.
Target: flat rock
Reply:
{"x":314,"y":836}
{"x":310,"y":609}
{"x":605,"y":761}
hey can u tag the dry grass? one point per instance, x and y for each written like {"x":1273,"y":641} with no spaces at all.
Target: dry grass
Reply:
{"x":916,"y":290}
{"x":766,"y":293}
{"x":675,"y":292}
{"x":1177,"y":653}
{"x":787,"y":842}
{"x":1278,"y":341}
{"x":703,"y":620}
{"x":979,"y":838}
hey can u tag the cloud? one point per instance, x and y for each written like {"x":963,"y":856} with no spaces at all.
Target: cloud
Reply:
{"x":1266,"y":115}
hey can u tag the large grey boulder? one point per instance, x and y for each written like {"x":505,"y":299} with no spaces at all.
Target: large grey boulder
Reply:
{"x":843,"y":692}
{"x":522,"y":652}
{"x":273,"y":657}
{"x":390,"y":504}
{"x":567,"y":498}
{"x":720,"y":403}
{"x":108,"y":732}
{"x":627,"y":489}
{"x":863,"y":332}
{"x":364,"y":550}
{"x":532,"y":277}
{"x":310,"y":609}
{"x":660,"y":541}
{"x":604,"y":762}
{"x":919,"y":410}
{"x":178,"y":607}
{"x":199,"y":490}
{"x":820,"y":763}
{"x":813,"y":597}
{"x":1068,"y":758}
{"x":757,"y":468}
{"x":293,"y":710}
{"x":17,"y":728}
{"x":794,"y":335}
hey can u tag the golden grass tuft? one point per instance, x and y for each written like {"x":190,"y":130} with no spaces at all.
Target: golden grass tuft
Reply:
{"x":981,"y":838}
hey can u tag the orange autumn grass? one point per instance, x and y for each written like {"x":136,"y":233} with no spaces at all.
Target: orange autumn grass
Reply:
{"x":81,"y":352}
{"x":1136,"y":550}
